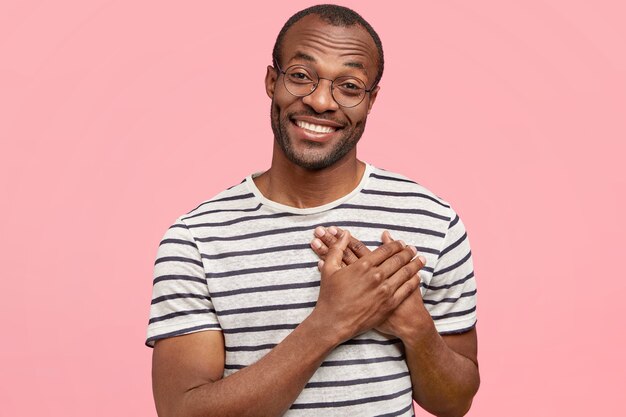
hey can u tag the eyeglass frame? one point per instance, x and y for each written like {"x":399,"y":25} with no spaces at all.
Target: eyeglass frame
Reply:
{"x":332,"y":84}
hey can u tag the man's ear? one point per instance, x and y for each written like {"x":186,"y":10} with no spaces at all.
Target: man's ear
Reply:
{"x":373,"y":95}
{"x":270,"y":81}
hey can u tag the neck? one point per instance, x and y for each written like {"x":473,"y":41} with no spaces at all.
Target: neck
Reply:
{"x":292,"y":185}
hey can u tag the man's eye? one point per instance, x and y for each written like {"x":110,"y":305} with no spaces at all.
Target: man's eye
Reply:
{"x":299,"y":76}
{"x":350,"y":86}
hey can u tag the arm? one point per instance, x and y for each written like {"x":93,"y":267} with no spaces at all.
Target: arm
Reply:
{"x":187,"y":370}
{"x":444,"y":369}
{"x":187,"y":374}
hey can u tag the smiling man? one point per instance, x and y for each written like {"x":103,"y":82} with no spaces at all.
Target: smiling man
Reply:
{"x":287,"y":294}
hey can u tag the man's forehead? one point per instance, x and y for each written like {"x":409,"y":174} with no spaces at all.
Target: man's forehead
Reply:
{"x":313,"y":34}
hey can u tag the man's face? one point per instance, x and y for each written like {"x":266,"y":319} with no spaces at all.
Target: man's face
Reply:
{"x":314,"y":132}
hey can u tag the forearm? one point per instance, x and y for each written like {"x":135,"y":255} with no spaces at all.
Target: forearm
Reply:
{"x":267,"y":387}
{"x":444,"y":382}
{"x":351,"y":301}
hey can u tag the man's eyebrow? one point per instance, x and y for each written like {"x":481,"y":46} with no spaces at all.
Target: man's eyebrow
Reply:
{"x":353,"y":64}
{"x":309,"y":58}
{"x":303,"y":56}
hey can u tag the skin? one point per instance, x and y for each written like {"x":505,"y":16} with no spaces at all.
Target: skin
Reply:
{"x":187,"y":371}
{"x":444,"y":369}
{"x":302,"y":169}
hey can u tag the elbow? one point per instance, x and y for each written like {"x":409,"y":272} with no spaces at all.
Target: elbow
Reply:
{"x":459,"y":411}
{"x":464,"y":403}
{"x":184,"y":404}
{"x":457,"y":404}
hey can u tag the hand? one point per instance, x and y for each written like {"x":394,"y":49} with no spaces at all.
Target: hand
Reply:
{"x":360,"y":296}
{"x":409,"y":314}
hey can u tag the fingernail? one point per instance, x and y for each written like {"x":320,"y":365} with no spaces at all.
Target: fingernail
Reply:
{"x":319,"y":231}
{"x":413,"y":249}
{"x":320,"y":264}
{"x":332,"y":230}
{"x":422,"y":259}
{"x":402,"y":242}
{"x":316,"y":243}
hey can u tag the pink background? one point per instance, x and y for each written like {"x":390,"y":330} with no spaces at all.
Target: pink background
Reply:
{"x":118,"y":116}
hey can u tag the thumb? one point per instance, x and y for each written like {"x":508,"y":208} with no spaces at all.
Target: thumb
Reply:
{"x":334,"y":257}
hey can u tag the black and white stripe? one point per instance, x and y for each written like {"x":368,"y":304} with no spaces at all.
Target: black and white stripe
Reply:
{"x":241,"y":264}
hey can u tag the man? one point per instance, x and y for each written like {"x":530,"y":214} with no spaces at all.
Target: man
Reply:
{"x":253,"y":315}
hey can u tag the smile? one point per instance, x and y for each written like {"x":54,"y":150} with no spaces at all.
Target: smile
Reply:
{"x":314,"y":128}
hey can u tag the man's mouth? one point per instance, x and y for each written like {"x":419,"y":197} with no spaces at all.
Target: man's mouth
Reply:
{"x":314,"y":128}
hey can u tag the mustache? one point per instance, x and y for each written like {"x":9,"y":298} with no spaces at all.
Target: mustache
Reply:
{"x":320,"y":116}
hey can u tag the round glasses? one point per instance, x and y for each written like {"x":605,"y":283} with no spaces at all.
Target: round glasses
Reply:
{"x":300,"y":81}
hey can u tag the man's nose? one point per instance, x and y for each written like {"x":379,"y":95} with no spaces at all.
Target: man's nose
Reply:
{"x":321,"y":99}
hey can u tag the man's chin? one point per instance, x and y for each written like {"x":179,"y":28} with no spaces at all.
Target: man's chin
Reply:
{"x":311,"y":155}
{"x":311,"y":164}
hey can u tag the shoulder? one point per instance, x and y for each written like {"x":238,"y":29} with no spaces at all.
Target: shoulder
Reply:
{"x":403,"y":190}
{"x":233,"y":199}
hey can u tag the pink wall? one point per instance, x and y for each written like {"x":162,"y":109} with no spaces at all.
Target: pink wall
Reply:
{"x":116,"y":117}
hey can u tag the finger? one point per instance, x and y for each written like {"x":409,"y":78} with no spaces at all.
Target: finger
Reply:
{"x":386,"y":237}
{"x":405,"y":290}
{"x":330,"y":236}
{"x":320,"y":264}
{"x":406,"y":273}
{"x":319,"y":248}
{"x":356,"y":246}
{"x":383,"y":252}
{"x":394,"y":263}
{"x":334,"y":256}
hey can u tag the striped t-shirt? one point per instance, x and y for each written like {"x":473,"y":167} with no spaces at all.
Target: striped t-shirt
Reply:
{"x":241,"y":264}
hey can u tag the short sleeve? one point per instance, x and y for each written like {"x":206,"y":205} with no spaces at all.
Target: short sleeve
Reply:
{"x":450,"y":296}
{"x":181,"y":303}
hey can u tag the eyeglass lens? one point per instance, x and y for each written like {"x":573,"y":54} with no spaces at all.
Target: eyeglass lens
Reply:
{"x":301,"y":81}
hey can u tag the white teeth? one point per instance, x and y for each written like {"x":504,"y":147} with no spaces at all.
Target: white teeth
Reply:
{"x":315,"y":128}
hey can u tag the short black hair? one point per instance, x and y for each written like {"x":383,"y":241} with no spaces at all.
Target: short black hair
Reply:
{"x":336,"y":16}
